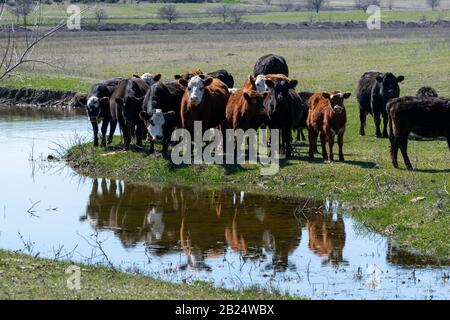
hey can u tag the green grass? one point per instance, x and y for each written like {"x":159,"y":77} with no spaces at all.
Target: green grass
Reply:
{"x":25,"y":277}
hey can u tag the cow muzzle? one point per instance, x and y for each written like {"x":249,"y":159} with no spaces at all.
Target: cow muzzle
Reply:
{"x":338,"y":109}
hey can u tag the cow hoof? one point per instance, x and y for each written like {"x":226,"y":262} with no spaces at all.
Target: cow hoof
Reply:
{"x":362,"y":133}
{"x":341,"y":159}
{"x":410,"y":168}
{"x":385,"y":135}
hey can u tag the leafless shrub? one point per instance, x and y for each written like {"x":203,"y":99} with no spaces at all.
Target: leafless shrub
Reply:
{"x":100,"y":14}
{"x":316,"y":5}
{"x":434,"y":3}
{"x":364,"y":4}
{"x":286,"y":5}
{"x":236,"y":13}
{"x":169,"y":13}
{"x":223,"y":11}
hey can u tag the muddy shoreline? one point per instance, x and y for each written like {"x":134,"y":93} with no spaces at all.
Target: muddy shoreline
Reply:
{"x":39,"y":98}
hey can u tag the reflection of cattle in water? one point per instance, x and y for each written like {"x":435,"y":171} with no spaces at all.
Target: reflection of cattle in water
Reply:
{"x":327,"y":237}
{"x":203,"y":226}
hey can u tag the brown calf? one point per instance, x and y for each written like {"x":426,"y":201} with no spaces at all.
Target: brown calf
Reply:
{"x":327,"y":117}
{"x":246,"y":110}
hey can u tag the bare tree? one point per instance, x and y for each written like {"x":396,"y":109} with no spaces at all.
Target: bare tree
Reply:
{"x":267,"y":2}
{"x":286,"y":5}
{"x":316,"y":5}
{"x":168,"y":12}
{"x":434,"y":3}
{"x":364,"y":4}
{"x":100,"y":14}
{"x":223,"y":11}
{"x":391,"y":4}
{"x":236,"y":13}
{"x":22,"y":9}
{"x":18,"y":45}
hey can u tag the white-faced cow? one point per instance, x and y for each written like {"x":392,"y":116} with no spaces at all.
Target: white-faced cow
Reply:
{"x":97,"y":108}
{"x":375,"y":89}
{"x":161,"y":112}
{"x":426,"y":117}
{"x":204,"y":100}
{"x":222,"y":74}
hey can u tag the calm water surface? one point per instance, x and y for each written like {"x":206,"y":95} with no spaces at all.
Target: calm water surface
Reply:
{"x":230,"y":238}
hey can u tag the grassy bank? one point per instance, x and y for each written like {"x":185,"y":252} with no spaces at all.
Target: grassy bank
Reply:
{"x":25,"y":277}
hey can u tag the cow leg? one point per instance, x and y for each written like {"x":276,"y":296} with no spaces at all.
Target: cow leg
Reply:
{"x":377,"y":119}
{"x":112,"y":130}
{"x":139,"y":135}
{"x":362,"y":119}
{"x":152,"y":146}
{"x":323,"y":141}
{"x":104,"y":129}
{"x":312,"y":135}
{"x":287,"y":136}
{"x":302,"y":134}
{"x":448,"y":142}
{"x":341,"y":146}
{"x":331,"y":144}
{"x":403,"y":143}
{"x":95,"y":129}
{"x":394,"y":149}
{"x":385,"y":125}
{"x":126,"y":133}
{"x":298,"y":138}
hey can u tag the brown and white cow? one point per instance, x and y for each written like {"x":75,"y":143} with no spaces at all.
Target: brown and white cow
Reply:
{"x":204,"y":100}
{"x":327,"y":117}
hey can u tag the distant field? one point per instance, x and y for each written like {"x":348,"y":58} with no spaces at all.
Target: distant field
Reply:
{"x":257,"y":12}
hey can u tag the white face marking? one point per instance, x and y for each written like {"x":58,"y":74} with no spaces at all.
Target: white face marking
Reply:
{"x":148,"y":77}
{"x":232,"y":90}
{"x":93,"y":103}
{"x":155,"y":127}
{"x":196,"y":89}
{"x":260,"y":83}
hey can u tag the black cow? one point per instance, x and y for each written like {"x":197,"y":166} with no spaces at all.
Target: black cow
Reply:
{"x":271,"y":64}
{"x":97,"y":108}
{"x":304,"y":96}
{"x":161,"y":112}
{"x":222,"y":74}
{"x":375,"y":89}
{"x":426,"y":117}
{"x":426,"y":92}
{"x":284,"y":110}
{"x":126,"y":104}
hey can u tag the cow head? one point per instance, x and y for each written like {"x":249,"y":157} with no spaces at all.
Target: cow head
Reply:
{"x":260,"y":83}
{"x":256,"y":101}
{"x":388,"y":85}
{"x":151,"y":79}
{"x":94,"y":108}
{"x":188,"y":76}
{"x":336,"y":99}
{"x":279,"y":94}
{"x":196,"y":88}
{"x":155,"y":121}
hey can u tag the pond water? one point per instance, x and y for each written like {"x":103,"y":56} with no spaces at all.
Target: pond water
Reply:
{"x":227,"y":237}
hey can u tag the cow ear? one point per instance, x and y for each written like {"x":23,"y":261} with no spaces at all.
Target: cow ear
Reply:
{"x":380,"y":79}
{"x":157,"y":77}
{"x":136,"y":76}
{"x":177,"y":76}
{"x":119,"y":100}
{"x":251,"y":78}
{"x":207,"y":81}
{"x":347,"y":95}
{"x":169,"y":115}
{"x":270,"y":84}
{"x":183,"y":82}
{"x":293,"y":84}
{"x":326,"y":95}
{"x":144,"y":115}
{"x":400,"y":79}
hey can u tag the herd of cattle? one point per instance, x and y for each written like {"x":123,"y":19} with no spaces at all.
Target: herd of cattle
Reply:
{"x":144,"y":106}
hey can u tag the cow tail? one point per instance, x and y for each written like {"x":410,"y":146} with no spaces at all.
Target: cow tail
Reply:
{"x":391,"y":126}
